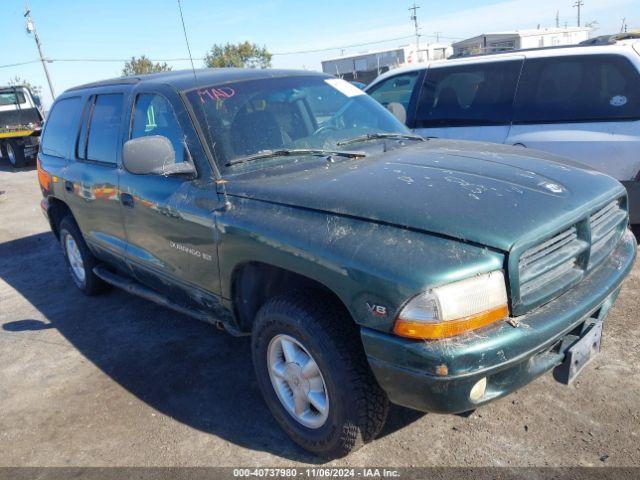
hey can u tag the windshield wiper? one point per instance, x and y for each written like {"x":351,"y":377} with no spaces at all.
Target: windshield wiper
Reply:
{"x":285,"y":152}
{"x":376,"y":136}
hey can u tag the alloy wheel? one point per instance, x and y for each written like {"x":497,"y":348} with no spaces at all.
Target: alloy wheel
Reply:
{"x":298,"y":381}
{"x":75,"y":259}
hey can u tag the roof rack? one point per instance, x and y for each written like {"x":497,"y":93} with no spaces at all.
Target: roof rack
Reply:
{"x":611,"y":39}
{"x":592,"y":42}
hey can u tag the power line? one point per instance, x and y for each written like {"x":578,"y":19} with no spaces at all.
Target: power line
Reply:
{"x":326,"y":49}
{"x":19,"y":64}
{"x":187,"y":59}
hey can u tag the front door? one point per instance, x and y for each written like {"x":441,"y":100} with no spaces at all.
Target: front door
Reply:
{"x":169,"y":220}
{"x":468,"y":102}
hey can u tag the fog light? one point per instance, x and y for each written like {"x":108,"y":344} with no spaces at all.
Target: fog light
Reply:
{"x":477,"y":392}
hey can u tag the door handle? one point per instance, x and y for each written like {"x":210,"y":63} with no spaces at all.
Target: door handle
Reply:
{"x":68,"y":186}
{"x":126,"y":200}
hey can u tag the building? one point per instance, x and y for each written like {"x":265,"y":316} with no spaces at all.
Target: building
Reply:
{"x":364,"y":67}
{"x":520,"y":39}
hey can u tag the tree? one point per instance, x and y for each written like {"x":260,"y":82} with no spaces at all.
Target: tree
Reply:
{"x":242,"y":55}
{"x":142,"y":65}
{"x":35,"y":89}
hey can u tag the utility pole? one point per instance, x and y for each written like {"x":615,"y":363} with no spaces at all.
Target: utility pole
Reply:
{"x":623,"y":28}
{"x":31,"y":28}
{"x":437,"y":36}
{"x":557,"y":18}
{"x":579,"y":4}
{"x":414,"y":17}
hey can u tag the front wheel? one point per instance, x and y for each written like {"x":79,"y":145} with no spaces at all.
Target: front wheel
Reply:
{"x":314,"y":376}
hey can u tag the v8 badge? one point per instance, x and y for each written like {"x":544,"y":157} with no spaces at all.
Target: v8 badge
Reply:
{"x":377,"y":310}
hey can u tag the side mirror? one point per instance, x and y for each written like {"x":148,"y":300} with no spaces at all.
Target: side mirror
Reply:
{"x":153,"y":155}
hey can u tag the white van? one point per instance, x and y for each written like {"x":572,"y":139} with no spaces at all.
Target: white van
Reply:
{"x":581,"y":102}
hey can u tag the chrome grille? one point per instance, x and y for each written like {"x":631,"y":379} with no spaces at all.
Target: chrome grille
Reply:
{"x":554,"y":265}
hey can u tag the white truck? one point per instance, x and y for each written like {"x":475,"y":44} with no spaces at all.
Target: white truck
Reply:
{"x":20,"y":125}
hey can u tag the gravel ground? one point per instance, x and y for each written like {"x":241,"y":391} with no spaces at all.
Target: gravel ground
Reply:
{"x":116,"y":380}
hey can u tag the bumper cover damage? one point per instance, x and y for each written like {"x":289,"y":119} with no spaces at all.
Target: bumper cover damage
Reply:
{"x":437,"y":376}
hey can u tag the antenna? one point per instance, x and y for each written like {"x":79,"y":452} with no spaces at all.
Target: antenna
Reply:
{"x":186,"y":39}
{"x":218,"y":177}
{"x":414,"y":17}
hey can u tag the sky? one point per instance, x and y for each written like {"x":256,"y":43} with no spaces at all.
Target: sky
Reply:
{"x":119,"y":29}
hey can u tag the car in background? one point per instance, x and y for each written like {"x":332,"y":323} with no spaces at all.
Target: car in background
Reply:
{"x":581,"y":102}
{"x":20,"y":124}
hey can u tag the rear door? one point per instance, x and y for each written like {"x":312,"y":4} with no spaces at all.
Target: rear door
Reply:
{"x":91,"y":175}
{"x":468,"y":101}
{"x":584,"y":107}
{"x":169,"y":220}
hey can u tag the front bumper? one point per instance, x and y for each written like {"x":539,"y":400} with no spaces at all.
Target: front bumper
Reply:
{"x":437,"y":376}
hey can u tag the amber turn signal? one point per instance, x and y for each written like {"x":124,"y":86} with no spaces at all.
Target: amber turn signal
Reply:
{"x":449,"y":328}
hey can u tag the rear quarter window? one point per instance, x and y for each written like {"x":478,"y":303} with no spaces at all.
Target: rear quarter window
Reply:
{"x":585,"y":88}
{"x":59,"y":132}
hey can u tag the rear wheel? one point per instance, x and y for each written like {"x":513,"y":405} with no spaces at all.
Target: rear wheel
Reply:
{"x":314,"y":376}
{"x":15,"y":153}
{"x":80,"y":260}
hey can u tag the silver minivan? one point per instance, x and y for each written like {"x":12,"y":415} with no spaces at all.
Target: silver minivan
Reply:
{"x":580,"y":102}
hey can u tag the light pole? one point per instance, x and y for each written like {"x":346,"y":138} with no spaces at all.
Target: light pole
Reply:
{"x":31,"y":28}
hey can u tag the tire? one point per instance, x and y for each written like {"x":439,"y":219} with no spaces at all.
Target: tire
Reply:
{"x":80,"y":261}
{"x":357,"y":406}
{"x":15,"y":153}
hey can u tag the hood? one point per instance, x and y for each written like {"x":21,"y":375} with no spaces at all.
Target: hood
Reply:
{"x":488,"y":194}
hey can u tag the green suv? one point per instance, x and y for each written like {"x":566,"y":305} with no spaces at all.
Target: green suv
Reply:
{"x":369,"y":265}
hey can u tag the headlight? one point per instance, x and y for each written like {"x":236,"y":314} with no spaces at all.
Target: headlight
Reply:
{"x":455,"y":308}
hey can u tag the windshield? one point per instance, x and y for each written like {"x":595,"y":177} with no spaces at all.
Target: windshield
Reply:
{"x":306,"y":112}
{"x":11,"y":97}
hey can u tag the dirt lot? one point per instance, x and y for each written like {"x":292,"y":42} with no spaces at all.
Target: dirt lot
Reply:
{"x":116,"y":380}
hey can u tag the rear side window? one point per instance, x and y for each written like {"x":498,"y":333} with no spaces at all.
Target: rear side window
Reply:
{"x":396,"y":89}
{"x":578,"y":89}
{"x":154,"y":115}
{"x":475,"y":94}
{"x":59,"y":127}
{"x":104,"y":128}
